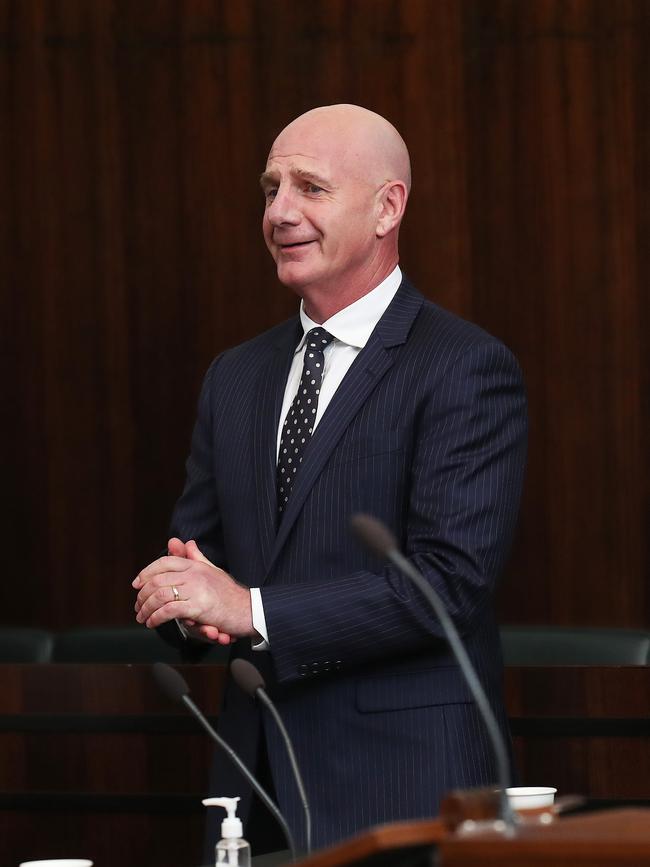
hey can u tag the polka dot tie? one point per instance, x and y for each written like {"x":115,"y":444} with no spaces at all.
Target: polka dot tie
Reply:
{"x":299,"y":423}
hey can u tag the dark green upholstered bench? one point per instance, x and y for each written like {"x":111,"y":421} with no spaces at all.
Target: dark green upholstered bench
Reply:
{"x":574,"y":645}
{"x":126,"y":644}
{"x":24,"y":644}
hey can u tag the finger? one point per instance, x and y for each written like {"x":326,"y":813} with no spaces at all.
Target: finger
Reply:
{"x":164,"y":581}
{"x":158,"y":567}
{"x":176,"y":547}
{"x":193,"y":552}
{"x":160,"y":615}
{"x":211,"y":633}
{"x":201,"y":631}
{"x":161,"y":597}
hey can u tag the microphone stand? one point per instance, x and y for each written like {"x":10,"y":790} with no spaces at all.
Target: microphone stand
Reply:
{"x":377,"y":537}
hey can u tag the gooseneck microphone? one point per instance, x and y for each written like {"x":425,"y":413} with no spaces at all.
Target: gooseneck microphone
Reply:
{"x":248,"y":678}
{"x":381,"y":541}
{"x":174,"y":685}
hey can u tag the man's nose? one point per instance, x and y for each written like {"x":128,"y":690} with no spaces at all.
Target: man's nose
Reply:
{"x":283,"y":210}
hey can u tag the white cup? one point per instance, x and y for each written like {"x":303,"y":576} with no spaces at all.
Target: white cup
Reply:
{"x":531,"y":797}
{"x":58,"y":862}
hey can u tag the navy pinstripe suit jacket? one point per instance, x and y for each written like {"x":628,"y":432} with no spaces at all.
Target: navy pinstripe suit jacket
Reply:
{"x":427,"y":432}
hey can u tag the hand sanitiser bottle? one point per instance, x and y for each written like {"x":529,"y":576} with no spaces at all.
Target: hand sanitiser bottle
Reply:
{"x":232,"y":849}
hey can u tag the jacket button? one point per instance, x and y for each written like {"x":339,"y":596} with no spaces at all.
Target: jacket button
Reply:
{"x":315,"y":667}
{"x":303,"y":670}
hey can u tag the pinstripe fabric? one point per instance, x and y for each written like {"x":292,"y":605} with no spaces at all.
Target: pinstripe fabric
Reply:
{"x":427,"y":432}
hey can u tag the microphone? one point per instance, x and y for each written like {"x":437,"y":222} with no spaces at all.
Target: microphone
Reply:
{"x":381,"y":541}
{"x":174,"y":685}
{"x":248,"y":678}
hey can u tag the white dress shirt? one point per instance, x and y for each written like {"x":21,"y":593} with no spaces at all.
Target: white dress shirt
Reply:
{"x":351,"y":328}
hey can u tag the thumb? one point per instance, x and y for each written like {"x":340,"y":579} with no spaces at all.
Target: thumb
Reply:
{"x":192,"y":552}
{"x":176,"y":548}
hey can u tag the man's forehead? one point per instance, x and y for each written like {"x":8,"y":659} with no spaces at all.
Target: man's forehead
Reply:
{"x":336,"y":170}
{"x":299,"y":166}
{"x":295,"y":160}
{"x":306,"y":144}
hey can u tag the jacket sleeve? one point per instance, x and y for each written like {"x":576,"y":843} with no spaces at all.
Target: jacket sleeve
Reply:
{"x":197,"y":514}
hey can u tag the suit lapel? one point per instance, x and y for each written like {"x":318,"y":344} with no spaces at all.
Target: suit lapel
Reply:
{"x":365,"y":373}
{"x":270,"y":393}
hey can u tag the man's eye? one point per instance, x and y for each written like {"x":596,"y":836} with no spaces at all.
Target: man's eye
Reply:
{"x":314,"y":188}
{"x":270,"y":194}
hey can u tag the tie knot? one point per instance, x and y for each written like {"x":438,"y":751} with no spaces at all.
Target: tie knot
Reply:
{"x":318,"y":338}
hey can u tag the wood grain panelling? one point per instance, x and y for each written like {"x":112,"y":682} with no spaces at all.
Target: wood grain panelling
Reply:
{"x":131,"y":138}
{"x":557,"y":120}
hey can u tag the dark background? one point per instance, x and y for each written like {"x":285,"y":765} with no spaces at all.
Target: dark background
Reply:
{"x":132,"y":135}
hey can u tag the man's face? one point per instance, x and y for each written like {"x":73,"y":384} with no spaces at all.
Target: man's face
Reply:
{"x":320,"y":212}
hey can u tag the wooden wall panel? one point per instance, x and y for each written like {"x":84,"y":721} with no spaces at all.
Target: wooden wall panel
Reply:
{"x":131,"y":137}
{"x":558,"y":112}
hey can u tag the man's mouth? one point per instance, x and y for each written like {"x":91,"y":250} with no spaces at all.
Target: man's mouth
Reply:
{"x":293,"y":244}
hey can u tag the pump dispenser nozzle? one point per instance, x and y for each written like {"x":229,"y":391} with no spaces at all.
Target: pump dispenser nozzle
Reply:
{"x":232,"y":849}
{"x":231,"y":826}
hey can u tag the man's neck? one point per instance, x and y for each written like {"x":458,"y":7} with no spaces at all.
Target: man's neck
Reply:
{"x":322,"y":302}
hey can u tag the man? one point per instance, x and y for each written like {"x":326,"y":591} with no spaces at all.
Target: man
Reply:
{"x":419,"y":419}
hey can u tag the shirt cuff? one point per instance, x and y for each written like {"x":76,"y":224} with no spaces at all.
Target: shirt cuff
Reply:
{"x":259,"y":620}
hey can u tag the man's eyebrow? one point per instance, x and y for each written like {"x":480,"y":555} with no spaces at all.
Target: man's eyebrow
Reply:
{"x":270,"y":178}
{"x":313,"y":178}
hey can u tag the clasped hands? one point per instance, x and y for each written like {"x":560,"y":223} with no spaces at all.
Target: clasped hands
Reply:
{"x":208,"y":601}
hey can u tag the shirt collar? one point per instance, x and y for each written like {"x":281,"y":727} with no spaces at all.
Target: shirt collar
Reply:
{"x":355,"y":323}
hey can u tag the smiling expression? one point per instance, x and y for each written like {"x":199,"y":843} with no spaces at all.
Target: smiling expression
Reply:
{"x":322,"y":203}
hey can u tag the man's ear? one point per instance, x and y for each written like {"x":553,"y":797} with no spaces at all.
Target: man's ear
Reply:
{"x":392,"y":203}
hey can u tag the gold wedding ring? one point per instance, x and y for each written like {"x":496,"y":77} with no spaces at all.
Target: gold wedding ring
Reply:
{"x":177,"y":595}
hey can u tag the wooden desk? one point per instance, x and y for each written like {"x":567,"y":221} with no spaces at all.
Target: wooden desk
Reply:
{"x":613,"y":838}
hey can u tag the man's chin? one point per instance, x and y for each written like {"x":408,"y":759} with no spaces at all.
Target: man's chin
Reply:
{"x":294,"y":277}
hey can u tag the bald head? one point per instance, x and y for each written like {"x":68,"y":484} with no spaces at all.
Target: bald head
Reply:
{"x":336,"y":183}
{"x":366,"y":143}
